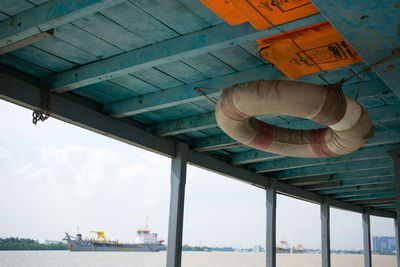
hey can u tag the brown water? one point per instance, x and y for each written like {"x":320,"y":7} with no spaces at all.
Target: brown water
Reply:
{"x":189,"y":259}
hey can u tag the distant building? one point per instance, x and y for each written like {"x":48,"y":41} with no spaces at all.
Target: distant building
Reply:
{"x":258,"y":249}
{"x":384,"y":243}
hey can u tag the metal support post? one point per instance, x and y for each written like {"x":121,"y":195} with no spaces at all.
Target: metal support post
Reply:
{"x":177,"y":198}
{"x":397,"y":229}
{"x":395,"y":155}
{"x":367,"y":239}
{"x":325,"y":235}
{"x":271,"y":227}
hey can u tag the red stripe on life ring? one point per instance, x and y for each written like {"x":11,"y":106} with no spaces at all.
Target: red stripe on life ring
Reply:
{"x":228,"y":106}
{"x":318,"y":143}
{"x":264,"y":137}
{"x":334,"y":107}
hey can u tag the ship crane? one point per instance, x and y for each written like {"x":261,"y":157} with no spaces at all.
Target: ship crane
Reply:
{"x":146,"y":225}
{"x":100,"y":236}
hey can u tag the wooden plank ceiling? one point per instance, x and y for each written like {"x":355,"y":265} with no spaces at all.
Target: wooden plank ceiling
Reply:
{"x":141,"y":59}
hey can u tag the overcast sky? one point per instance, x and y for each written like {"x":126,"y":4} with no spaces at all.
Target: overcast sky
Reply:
{"x":56,"y":177}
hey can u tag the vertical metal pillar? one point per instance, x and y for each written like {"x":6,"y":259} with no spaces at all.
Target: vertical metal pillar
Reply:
{"x":270,"y":247}
{"x":177,"y":198}
{"x":395,"y":155}
{"x":397,"y":229}
{"x":367,"y":239}
{"x":325,"y":235}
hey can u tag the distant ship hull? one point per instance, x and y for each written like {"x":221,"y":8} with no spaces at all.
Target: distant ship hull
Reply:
{"x":113,"y":247}
{"x":283,"y":250}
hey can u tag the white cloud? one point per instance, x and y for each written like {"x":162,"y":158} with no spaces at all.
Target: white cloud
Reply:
{"x":346,"y":229}
{"x":23,"y":170}
{"x":85,"y":186}
{"x":4,"y":153}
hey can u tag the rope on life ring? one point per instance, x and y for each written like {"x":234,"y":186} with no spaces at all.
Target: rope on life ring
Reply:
{"x":349,"y":125}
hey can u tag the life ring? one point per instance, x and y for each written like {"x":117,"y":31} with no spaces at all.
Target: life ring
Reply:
{"x":349,"y":125}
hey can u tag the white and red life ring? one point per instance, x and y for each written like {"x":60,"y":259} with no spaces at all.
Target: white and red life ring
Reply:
{"x":349,"y":125}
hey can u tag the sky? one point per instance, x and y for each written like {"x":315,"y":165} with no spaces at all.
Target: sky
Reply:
{"x":56,"y":177}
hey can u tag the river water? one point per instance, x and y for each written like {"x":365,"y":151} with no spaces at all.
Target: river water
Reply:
{"x":189,"y":259}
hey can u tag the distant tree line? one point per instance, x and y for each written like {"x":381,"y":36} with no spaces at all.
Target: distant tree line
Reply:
{"x":190,"y":248}
{"x":203,"y":248}
{"x":14,"y":243}
{"x":385,"y":252}
{"x":344,"y":251}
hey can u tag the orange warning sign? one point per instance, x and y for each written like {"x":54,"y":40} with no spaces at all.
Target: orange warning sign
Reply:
{"x":308,"y":50}
{"x":225,"y":10}
{"x":261,"y":14}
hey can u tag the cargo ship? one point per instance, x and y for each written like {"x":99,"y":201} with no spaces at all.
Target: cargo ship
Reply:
{"x":145,"y":242}
{"x":298,"y":249}
{"x":283,"y":247}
